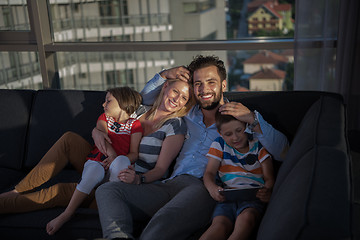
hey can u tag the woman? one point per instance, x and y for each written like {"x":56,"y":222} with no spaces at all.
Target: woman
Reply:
{"x":174,"y":101}
{"x":163,"y":133}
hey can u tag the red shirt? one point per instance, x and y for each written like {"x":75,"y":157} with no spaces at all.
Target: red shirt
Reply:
{"x":120,"y":135}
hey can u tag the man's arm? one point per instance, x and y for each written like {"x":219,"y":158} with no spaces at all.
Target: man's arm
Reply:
{"x":273,"y":140}
{"x":154,"y":85}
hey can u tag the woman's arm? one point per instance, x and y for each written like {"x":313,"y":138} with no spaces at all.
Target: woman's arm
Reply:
{"x":169,"y":150}
{"x":108,"y":149}
{"x":154,"y":85}
{"x":209,"y":179}
{"x":100,"y":139}
{"x":134,"y":146}
{"x":264,"y":194}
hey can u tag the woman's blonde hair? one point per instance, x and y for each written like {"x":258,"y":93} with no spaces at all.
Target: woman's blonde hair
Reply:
{"x":128,"y":99}
{"x":180,"y":113}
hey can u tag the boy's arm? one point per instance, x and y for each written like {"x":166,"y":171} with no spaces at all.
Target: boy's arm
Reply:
{"x":264,"y":194}
{"x":209,"y":179}
{"x":153,"y":86}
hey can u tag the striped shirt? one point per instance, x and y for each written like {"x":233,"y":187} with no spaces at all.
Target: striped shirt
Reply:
{"x":239,"y":170}
{"x":150,"y":145}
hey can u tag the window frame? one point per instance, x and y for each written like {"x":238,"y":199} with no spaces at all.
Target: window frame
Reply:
{"x":39,"y":40}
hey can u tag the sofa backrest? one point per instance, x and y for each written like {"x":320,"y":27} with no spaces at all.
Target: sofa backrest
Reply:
{"x":15,"y":108}
{"x":56,"y":112}
{"x":311,"y":196}
{"x":283,"y":110}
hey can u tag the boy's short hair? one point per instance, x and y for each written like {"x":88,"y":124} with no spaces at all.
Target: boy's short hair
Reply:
{"x":220,"y":119}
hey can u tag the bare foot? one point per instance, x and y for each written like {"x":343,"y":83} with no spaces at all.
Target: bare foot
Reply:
{"x":54,"y":225}
{"x":9,"y":193}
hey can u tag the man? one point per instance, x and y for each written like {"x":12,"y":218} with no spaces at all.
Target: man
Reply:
{"x":181,"y":205}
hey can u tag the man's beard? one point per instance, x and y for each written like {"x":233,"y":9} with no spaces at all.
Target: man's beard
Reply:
{"x":214,"y":104}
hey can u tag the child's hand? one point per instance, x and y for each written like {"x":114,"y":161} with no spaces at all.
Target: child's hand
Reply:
{"x":107,"y":161}
{"x":264,"y":194}
{"x":128,"y":175}
{"x":216,"y":194}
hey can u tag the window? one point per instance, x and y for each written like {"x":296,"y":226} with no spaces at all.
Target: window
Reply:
{"x":100,"y":44}
{"x":20,"y":70}
{"x":14,"y":16}
{"x":199,"y":6}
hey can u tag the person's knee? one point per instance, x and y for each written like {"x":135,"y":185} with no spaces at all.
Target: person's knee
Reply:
{"x":119,"y":163}
{"x":222,"y":222}
{"x":70,"y":138}
{"x":68,"y":135}
{"x":249,"y":216}
{"x":104,"y":190}
{"x":92,"y":175}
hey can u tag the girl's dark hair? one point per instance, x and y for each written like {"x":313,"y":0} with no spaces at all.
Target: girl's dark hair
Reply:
{"x":128,"y":99}
{"x":201,"y":61}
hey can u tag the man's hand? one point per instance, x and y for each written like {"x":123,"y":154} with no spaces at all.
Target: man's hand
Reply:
{"x":181,"y":73}
{"x":237,"y":110}
{"x":99,"y":138}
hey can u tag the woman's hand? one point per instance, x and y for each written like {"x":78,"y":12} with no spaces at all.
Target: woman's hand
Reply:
{"x":128,"y":175}
{"x":99,"y":138}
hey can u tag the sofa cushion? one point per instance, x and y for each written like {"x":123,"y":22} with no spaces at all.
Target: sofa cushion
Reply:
{"x":58,"y":111}
{"x":313,"y":180}
{"x":15,"y":108}
{"x":85,"y":224}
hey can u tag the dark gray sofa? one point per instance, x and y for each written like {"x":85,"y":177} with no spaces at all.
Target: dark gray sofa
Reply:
{"x":312,"y":197}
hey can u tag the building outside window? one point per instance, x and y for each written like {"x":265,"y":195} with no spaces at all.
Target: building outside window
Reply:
{"x":150,"y":21}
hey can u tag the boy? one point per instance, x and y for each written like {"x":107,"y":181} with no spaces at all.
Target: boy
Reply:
{"x":241,"y":163}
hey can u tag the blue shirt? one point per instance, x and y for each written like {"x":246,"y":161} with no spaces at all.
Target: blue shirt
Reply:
{"x":192,"y":158}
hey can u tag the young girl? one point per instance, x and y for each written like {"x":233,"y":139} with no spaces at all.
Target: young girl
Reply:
{"x":125,"y":134}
